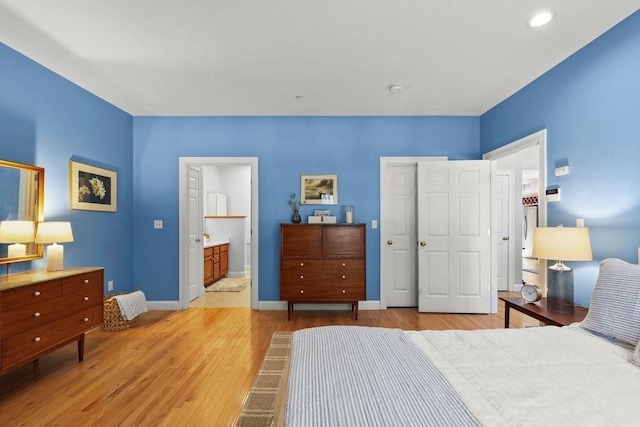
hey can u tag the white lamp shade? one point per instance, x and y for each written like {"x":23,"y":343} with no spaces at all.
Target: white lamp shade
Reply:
{"x":54,"y":232}
{"x":17,"y":232}
{"x":562,"y":243}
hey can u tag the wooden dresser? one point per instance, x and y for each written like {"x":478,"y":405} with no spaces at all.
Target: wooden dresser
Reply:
{"x":41,"y":311}
{"x":216,"y":263}
{"x":322,"y":263}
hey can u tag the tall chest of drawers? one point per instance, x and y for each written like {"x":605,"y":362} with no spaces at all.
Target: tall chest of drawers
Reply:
{"x":322,"y":263}
{"x":41,"y":311}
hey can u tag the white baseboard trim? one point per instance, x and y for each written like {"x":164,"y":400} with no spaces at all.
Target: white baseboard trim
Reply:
{"x":163,"y":305}
{"x":275,"y":305}
{"x":282,"y":305}
{"x":233,"y":274}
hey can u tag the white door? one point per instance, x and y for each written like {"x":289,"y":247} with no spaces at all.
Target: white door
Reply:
{"x":401,"y":236}
{"x":454,"y":274}
{"x":194,"y":226}
{"x":501,"y":199}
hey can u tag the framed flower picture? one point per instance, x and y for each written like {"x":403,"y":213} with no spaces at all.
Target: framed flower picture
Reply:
{"x":319,"y":189}
{"x":92,"y":188}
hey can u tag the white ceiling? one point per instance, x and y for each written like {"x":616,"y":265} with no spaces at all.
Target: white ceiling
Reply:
{"x":253,"y":57}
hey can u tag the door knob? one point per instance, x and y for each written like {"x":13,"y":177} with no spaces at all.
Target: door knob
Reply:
{"x":505,"y":237}
{"x":423,"y":243}
{"x":389,"y":242}
{"x":198,"y":240}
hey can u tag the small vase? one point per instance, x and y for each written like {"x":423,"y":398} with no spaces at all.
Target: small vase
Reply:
{"x":295,"y":218}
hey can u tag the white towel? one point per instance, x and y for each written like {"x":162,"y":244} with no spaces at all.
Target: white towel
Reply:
{"x":131,"y":305}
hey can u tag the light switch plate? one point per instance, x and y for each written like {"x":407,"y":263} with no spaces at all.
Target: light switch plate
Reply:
{"x":374,"y":223}
{"x":157,"y":224}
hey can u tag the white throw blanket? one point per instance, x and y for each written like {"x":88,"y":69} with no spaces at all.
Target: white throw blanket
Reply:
{"x":545,"y":376}
{"x":132,"y":305}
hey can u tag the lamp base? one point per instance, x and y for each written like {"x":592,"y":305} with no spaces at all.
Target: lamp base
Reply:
{"x":560,"y":290}
{"x":55,"y":256}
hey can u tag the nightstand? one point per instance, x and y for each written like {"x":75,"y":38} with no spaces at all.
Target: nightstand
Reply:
{"x":540,"y":312}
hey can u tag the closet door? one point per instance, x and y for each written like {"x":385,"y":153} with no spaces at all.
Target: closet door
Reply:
{"x":454,"y":274}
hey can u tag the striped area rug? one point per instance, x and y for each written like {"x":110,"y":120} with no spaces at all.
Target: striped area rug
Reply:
{"x":263,"y":399}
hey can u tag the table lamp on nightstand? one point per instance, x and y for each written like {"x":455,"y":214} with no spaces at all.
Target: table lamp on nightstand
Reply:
{"x":561,"y":244}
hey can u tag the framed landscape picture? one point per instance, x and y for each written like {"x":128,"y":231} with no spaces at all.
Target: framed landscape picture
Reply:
{"x":92,"y":188}
{"x":319,"y":189}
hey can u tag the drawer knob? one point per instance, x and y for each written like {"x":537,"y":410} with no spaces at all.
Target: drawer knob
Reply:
{"x":344,"y":277}
{"x":302,"y":277}
{"x":86,"y":319}
{"x":37,"y":339}
{"x":302,"y":264}
{"x":344,"y":291}
{"x":302,"y":291}
{"x":36,"y":294}
{"x":85,"y":299}
{"x":86,"y":281}
{"x":344,"y":264}
{"x":36,"y":314}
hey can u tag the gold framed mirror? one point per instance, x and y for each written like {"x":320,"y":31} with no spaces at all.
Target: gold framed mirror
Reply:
{"x":21,"y":199}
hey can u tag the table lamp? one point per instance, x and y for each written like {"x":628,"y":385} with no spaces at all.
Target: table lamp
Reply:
{"x":54,"y":232}
{"x":18,"y":233}
{"x":561,"y":244}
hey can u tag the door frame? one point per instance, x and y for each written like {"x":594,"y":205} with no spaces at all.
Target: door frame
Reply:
{"x":538,"y":139}
{"x":511,"y":251}
{"x":384,"y":200}
{"x":183,"y":247}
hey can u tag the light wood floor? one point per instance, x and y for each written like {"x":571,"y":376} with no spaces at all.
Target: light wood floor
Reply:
{"x":192,"y":367}
{"x":224,"y":299}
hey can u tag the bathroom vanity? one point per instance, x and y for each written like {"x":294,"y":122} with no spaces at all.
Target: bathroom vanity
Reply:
{"x":216,"y":261}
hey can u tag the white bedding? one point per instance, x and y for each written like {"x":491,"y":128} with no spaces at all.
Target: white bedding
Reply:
{"x":544,"y":376}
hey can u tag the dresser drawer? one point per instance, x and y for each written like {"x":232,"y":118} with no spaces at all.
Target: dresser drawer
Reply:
{"x":208,"y":252}
{"x":301,"y":265}
{"x":31,"y":316}
{"x":310,"y":293}
{"x":26,"y":295}
{"x":343,"y":264}
{"x":298,"y":278}
{"x":344,"y":277}
{"x":82,"y":282}
{"x":29,"y":344}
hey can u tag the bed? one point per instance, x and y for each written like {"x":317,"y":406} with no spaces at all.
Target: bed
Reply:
{"x":586,"y":374}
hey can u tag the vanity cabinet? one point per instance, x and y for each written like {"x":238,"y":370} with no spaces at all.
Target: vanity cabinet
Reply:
{"x":208,"y":266}
{"x":322,"y":263}
{"x":224,"y":261}
{"x":41,"y":311}
{"x":216,"y":263}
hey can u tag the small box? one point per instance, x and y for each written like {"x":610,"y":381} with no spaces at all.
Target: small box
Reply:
{"x":322,"y":219}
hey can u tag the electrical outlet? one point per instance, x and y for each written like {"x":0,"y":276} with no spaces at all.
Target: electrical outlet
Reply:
{"x":110,"y":285}
{"x":157,"y":224}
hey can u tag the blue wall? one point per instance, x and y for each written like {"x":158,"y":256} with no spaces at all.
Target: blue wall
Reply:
{"x":590,"y":105}
{"x":287,"y":147}
{"x":46,"y":120}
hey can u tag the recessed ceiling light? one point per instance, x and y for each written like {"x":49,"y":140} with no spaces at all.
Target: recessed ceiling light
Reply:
{"x":541,"y":18}
{"x":395,"y":88}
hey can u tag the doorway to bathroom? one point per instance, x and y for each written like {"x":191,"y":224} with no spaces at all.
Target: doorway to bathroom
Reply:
{"x":218,"y":232}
